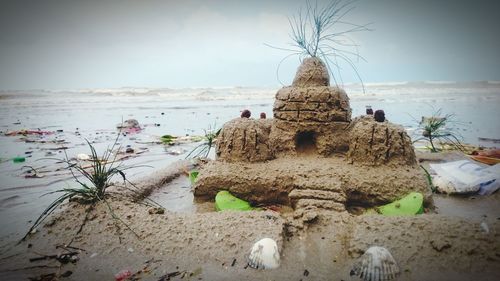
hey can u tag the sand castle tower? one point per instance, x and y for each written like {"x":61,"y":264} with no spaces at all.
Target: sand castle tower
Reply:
{"x":310,"y":117}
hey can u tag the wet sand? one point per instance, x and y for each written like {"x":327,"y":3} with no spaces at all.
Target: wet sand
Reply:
{"x":214,"y":246}
{"x":199,"y":244}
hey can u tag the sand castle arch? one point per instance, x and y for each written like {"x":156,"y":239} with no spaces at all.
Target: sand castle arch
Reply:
{"x":305,"y":142}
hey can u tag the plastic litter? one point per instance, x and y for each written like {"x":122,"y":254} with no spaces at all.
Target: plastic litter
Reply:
{"x":192,"y":176}
{"x":465,"y":176}
{"x":411,"y":204}
{"x":18,"y":159}
{"x":168,"y":139}
{"x":226,"y":201}
{"x":123,"y":275}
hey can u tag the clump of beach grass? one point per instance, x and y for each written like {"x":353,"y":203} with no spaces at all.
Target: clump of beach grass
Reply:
{"x":439,"y":127}
{"x":93,"y":189}
{"x":209,"y":139}
{"x":323,"y":32}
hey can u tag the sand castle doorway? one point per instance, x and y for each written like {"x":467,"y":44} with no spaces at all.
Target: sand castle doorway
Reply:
{"x":305,"y":142}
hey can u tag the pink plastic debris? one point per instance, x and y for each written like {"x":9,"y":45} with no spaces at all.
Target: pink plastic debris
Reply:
{"x":122,"y":275}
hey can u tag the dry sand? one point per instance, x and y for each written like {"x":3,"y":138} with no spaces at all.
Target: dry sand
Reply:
{"x":215,"y":245}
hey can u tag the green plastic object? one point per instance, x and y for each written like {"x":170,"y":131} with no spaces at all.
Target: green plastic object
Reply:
{"x":226,"y":201}
{"x":168,"y":139}
{"x":18,"y":159}
{"x":193,"y":175}
{"x":411,"y":204}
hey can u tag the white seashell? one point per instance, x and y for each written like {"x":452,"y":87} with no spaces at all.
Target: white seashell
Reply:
{"x":264,"y":255}
{"x":376,"y":264}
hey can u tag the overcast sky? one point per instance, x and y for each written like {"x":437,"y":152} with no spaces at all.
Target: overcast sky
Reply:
{"x":95,"y":44}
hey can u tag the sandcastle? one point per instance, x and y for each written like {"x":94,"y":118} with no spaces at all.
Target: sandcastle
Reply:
{"x":312,"y":154}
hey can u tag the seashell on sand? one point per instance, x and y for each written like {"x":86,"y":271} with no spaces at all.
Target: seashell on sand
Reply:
{"x":264,"y":254}
{"x":376,"y":264}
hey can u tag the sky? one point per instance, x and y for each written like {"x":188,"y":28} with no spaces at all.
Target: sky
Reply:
{"x":65,"y":44}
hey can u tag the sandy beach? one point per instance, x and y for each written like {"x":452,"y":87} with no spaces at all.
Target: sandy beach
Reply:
{"x":188,"y":240}
{"x":446,"y":243}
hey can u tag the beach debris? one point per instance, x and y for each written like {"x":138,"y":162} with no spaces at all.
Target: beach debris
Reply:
{"x":489,"y":156}
{"x":376,"y":263}
{"x":175,"y":151}
{"x":31,"y":173}
{"x":444,"y":185}
{"x":168,"y":139}
{"x":170,"y":275}
{"x":411,"y":204}
{"x":131,"y":131}
{"x":62,"y":258}
{"x":226,"y":201}
{"x":264,"y":255}
{"x":123,"y":275}
{"x":129,"y":150}
{"x":262,"y":115}
{"x":28,"y":132}
{"x":246,"y":113}
{"x":130,"y":126}
{"x":379,"y":115}
{"x":82,"y":157}
{"x":18,"y":159}
{"x":464,"y":176}
{"x":486,"y":159}
{"x":192,"y":176}
{"x":129,"y":123}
